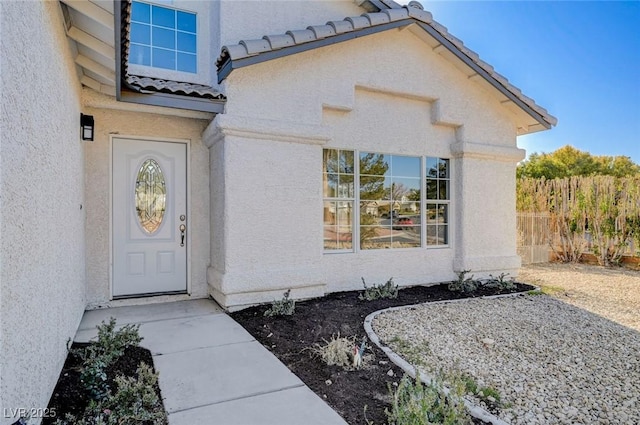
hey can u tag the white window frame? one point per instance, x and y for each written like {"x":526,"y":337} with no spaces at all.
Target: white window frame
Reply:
{"x":355,"y":225}
{"x":203,"y":56}
{"x":355,"y":209}
{"x":446,"y":202}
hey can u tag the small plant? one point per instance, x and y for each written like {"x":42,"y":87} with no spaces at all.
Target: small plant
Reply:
{"x":111,"y":343}
{"x":283,"y":307}
{"x":470,"y":384}
{"x":490,"y":396}
{"x":98,"y":356}
{"x":341,"y":351}
{"x":410,"y":351}
{"x":415,"y":403}
{"x":377,"y":291}
{"x":94,"y":378}
{"x":464,"y":284}
{"x":502,"y":282}
{"x":134,"y":402}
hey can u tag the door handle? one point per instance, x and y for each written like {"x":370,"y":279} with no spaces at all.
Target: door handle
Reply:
{"x":183,"y":229}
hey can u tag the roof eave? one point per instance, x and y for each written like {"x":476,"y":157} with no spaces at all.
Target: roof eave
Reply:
{"x":168,"y":100}
{"x":484,"y":74}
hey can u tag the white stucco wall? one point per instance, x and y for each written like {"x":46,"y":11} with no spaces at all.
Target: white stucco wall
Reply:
{"x":388,"y":93}
{"x":237,"y":20}
{"x":154,"y":126}
{"x":250,"y":19}
{"x":42,"y":197}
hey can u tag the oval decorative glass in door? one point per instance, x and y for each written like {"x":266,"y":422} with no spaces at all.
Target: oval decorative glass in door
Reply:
{"x":151,"y":196}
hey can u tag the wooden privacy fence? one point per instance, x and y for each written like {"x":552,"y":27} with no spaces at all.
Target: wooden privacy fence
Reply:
{"x":565,"y":218}
{"x":535,"y":237}
{"x":534,"y":233}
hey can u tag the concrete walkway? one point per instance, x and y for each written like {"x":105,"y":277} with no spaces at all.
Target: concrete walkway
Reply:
{"x":212,"y":371}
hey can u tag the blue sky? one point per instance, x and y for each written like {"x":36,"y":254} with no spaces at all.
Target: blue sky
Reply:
{"x":579,"y":60}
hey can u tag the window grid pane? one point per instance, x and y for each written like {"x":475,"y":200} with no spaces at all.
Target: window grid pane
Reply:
{"x":338,"y":192}
{"x":437,"y":216}
{"x":390,"y":212}
{"x":165,"y":38}
{"x":438,"y":187}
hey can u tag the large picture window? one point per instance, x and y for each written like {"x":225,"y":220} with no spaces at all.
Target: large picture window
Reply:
{"x":401,"y":201}
{"x":163,"y":38}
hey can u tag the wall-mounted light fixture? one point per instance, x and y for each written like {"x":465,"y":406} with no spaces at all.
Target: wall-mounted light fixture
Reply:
{"x":86,"y":127}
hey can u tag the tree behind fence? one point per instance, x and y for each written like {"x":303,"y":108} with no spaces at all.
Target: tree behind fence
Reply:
{"x":597,"y":213}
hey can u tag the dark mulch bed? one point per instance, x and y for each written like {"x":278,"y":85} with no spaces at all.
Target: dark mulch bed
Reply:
{"x":290,"y":337}
{"x":69,"y":395}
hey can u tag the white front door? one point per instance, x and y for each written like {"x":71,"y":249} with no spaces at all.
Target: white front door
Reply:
{"x":149,"y":217}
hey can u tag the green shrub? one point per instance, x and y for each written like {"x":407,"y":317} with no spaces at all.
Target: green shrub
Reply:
{"x":283,"y":307}
{"x":101,"y":354}
{"x":502,"y":282}
{"x":463,"y":284}
{"x":377,"y":291}
{"x":111,"y":343}
{"x":415,"y":403}
{"x":134,"y":402}
{"x":94,"y":378}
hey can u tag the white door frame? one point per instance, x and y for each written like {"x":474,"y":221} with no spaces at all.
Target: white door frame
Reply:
{"x":187,"y":142}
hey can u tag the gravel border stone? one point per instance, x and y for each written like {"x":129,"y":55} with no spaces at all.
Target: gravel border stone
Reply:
{"x":551,"y":362}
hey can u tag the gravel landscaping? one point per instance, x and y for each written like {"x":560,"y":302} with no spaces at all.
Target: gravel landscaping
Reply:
{"x":550,"y":362}
{"x":613,"y":293}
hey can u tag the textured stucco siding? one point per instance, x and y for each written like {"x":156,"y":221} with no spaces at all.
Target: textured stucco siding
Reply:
{"x":42,"y":211}
{"x":110,"y":122}
{"x":250,"y":19}
{"x":387,"y":93}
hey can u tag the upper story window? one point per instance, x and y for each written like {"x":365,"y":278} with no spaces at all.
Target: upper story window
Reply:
{"x":162,"y":37}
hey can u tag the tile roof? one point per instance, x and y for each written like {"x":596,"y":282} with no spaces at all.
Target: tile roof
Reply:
{"x":148,"y":84}
{"x":143,"y":84}
{"x":390,"y":15}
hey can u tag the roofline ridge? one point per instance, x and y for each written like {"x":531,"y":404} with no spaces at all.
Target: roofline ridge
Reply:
{"x":371,"y":22}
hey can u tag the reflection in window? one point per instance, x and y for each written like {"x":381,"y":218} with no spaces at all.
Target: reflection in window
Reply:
{"x":150,"y":196}
{"x":338,"y":194}
{"x":438,"y":198}
{"x":385,"y":195}
{"x":389,"y":189}
{"x":163,"y":38}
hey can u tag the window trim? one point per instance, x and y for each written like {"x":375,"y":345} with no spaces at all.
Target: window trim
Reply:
{"x":352,"y":199}
{"x":439,"y":201}
{"x":203,"y":11}
{"x":355,"y":225}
